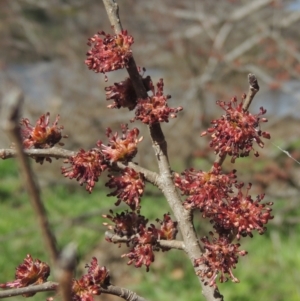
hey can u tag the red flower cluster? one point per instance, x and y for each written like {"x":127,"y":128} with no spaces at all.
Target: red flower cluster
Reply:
{"x":126,"y":223}
{"x":168,"y":228}
{"x":86,"y":167}
{"x":212,"y":193}
{"x":124,"y":94}
{"x":235,"y":132}
{"x":120,"y":148}
{"x":41,"y":135}
{"x":30,"y":272}
{"x":109,"y":53}
{"x":142,"y":239}
{"x":205,"y":189}
{"x":241,"y":213}
{"x":129,"y":188}
{"x":90,"y":284}
{"x":155,"y":108}
{"x":220,"y":257}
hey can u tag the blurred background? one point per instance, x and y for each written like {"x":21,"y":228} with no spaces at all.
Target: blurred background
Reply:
{"x":204,"y":51}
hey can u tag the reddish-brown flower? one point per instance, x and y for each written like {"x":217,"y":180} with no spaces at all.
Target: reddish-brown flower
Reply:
{"x":85,"y":167}
{"x":235,"y":132}
{"x":122,"y":148}
{"x":123,"y":93}
{"x":142,"y":238}
{"x":155,"y":108}
{"x":126,"y":223}
{"x":205,"y":189}
{"x":168,"y":228}
{"x":108,"y":52}
{"x":141,"y":254}
{"x":242,"y":214}
{"x":41,"y":135}
{"x":220,"y":257}
{"x":30,"y":272}
{"x":129,"y":188}
{"x":90,"y":284}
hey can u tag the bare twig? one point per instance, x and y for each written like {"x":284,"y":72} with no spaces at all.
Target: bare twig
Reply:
{"x":64,"y":271}
{"x":12,"y":102}
{"x":123,"y":293}
{"x":172,"y":244}
{"x":60,"y":153}
{"x":54,"y":152}
{"x":253,"y":89}
{"x":45,"y":287}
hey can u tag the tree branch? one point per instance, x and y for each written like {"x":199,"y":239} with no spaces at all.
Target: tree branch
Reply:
{"x":165,"y":181}
{"x":60,"y":153}
{"x":45,"y":287}
{"x":123,"y":293}
{"x":11,"y":105}
{"x":172,"y":244}
{"x":54,"y":152}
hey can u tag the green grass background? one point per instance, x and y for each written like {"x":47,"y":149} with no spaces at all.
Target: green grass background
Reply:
{"x":271,"y":270}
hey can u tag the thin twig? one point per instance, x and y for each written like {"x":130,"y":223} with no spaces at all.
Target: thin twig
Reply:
{"x":12,"y":102}
{"x":45,"y":287}
{"x":54,"y":152}
{"x":172,"y":244}
{"x":121,"y":292}
{"x":60,"y":153}
{"x":253,"y":89}
{"x":64,"y":271}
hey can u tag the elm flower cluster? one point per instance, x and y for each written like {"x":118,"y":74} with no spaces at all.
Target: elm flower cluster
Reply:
{"x":90,"y":284}
{"x":235,"y":132}
{"x":30,"y":272}
{"x":129,"y":188}
{"x":168,"y":228}
{"x":220,"y":256}
{"x":142,"y":238}
{"x":109,"y":52}
{"x":123,"y":93}
{"x":205,"y":189}
{"x":125,"y":223}
{"x":242,"y":213}
{"x":155,"y":109}
{"x":41,"y":135}
{"x":122,"y":148}
{"x":85,"y":167}
{"x":229,"y":210}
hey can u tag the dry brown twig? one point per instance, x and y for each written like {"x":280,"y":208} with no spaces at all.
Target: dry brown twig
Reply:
{"x":11,"y":105}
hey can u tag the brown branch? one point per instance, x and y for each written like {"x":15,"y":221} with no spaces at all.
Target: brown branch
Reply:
{"x":60,"y":153}
{"x":12,"y":102}
{"x":64,"y":271}
{"x":172,"y":244}
{"x":123,"y":293}
{"x":45,"y":287}
{"x":54,"y":152}
{"x":253,"y":89}
{"x":165,"y":181}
